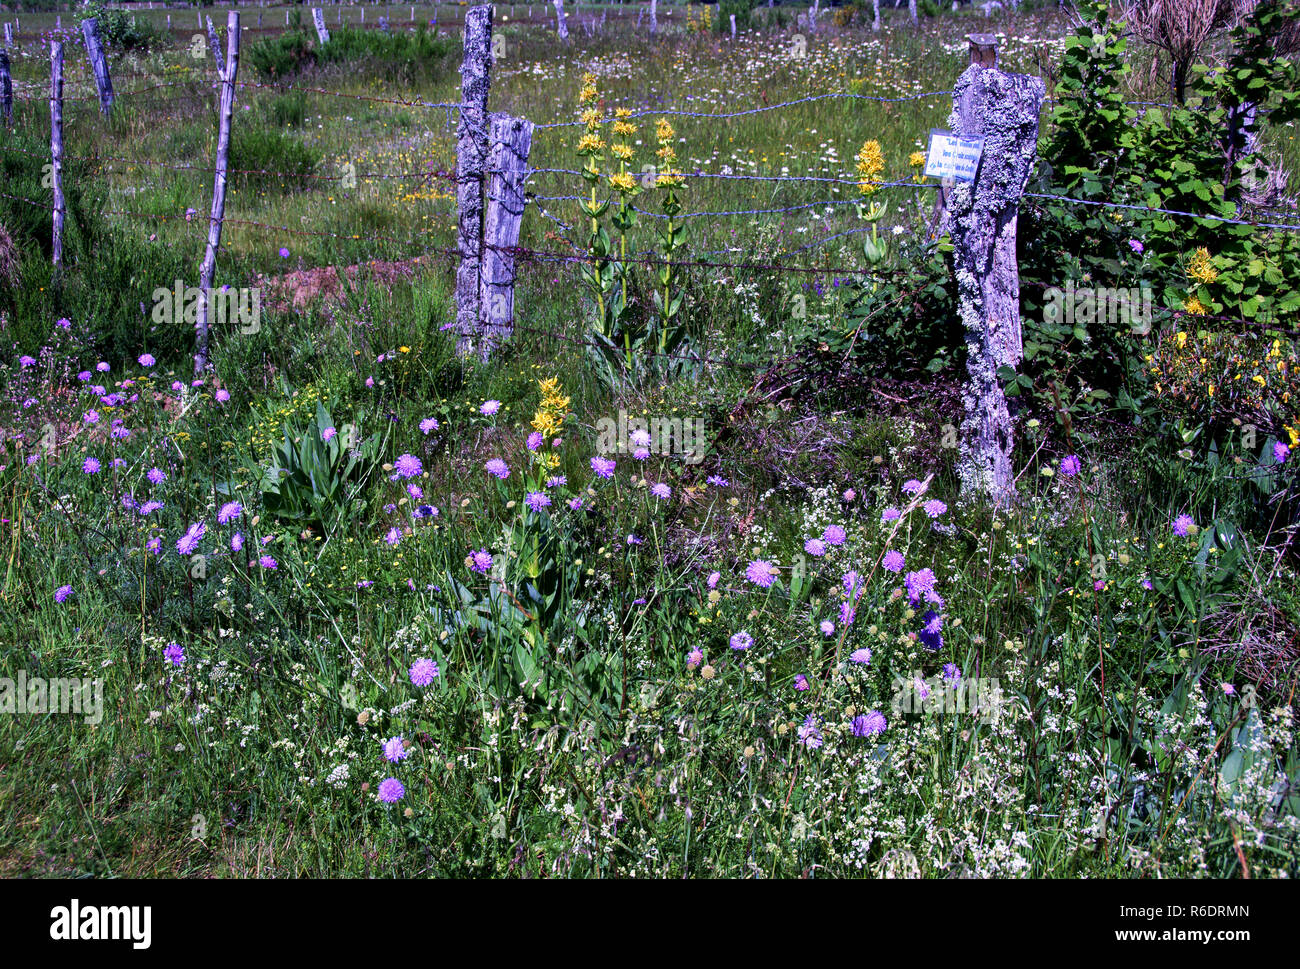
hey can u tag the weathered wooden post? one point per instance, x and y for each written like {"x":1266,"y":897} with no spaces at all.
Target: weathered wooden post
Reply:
{"x":983,"y":53}
{"x":322,"y":32}
{"x":226,"y":113}
{"x":56,"y":147}
{"x":471,"y":159}
{"x":98,"y":63}
{"x":733,"y":26}
{"x":561,"y":28}
{"x":214,"y":44}
{"x":1002,"y":109}
{"x":9,"y":34}
{"x":911,"y":12}
{"x":654,"y":17}
{"x":511,"y":138}
{"x":6,"y":89}
{"x":875,"y":15}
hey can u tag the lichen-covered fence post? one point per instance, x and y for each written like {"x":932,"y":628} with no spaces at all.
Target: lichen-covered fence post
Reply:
{"x":214,"y":45}
{"x":322,"y":32}
{"x":561,"y":27}
{"x":875,"y":15}
{"x":511,"y":138}
{"x":984,"y":53}
{"x":471,"y":161}
{"x":226,"y":113}
{"x":6,"y":89}
{"x":654,"y":17}
{"x":98,"y":63}
{"x":1003,"y":110}
{"x":56,"y":147}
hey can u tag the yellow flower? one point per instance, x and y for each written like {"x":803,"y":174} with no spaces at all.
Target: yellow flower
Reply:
{"x":591,"y":118}
{"x":871,"y":163}
{"x":623,"y":181}
{"x":1195,"y":307}
{"x":1182,"y":340}
{"x":590,"y":144}
{"x":622,"y":112}
{"x":1199,"y":267}
{"x":622,"y":151}
{"x":663,"y":130}
{"x":624,"y":129}
{"x":916,"y":159}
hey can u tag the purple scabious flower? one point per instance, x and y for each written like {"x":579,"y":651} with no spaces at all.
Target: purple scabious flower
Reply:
{"x":815,"y":546}
{"x":222,"y":395}
{"x":90,"y":466}
{"x":415,"y":491}
{"x":951,"y":673}
{"x":1184,"y":525}
{"x":849,"y":495}
{"x":860,"y":656}
{"x":661,"y":490}
{"x":1070,"y":465}
{"x":62,"y":593}
{"x":481,"y":561}
{"x":534,"y":440}
{"x":174,"y":654}
{"x":428,"y":424}
{"x":266,"y":562}
{"x":394,"y":749}
{"x":91,"y":417}
{"x":853,"y":584}
{"x":156,"y":475}
{"x":930,"y":635}
{"x":1136,"y":246}
{"x":146,"y":360}
{"x":633,"y":540}
{"x":393,"y":536}
{"x":761,"y":572}
{"x":187,"y":543}
{"x":834,"y":535}
{"x":717,"y":481}
{"x":26,"y":361}
{"x":229,"y":512}
{"x":847,"y":614}
{"x":575,"y":504}
{"x":713,"y":579}
{"x":391,"y":790}
{"x":890,"y":515}
{"x":103,"y":366}
{"x":1280,"y":452}
{"x":827,"y":627}
{"x":236,"y":542}
{"x":694,"y":658}
{"x":489,"y":407}
{"x":800,"y":682}
{"x":558,"y":481}
{"x":869,"y":724}
{"x":641,"y":454}
{"x":934,"y":508}
{"x":603,"y":467}
{"x":284,"y":253}
{"x":407,"y":466}
{"x":537,"y":500}
{"x":497,"y":468}
{"x":423,"y":671}
{"x":893,"y":561}
{"x":912,"y":486}
{"x":328,"y":434}
{"x":809,"y":734}
{"x":919,"y":584}
{"x":154,"y":545}
{"x":741,"y":640}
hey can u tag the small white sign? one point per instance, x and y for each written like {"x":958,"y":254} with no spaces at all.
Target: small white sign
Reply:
{"x":953,"y":157}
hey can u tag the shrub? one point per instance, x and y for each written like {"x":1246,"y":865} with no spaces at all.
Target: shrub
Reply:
{"x":270,"y":160}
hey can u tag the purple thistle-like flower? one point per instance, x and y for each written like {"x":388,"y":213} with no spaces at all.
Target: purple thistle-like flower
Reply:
{"x":934,"y":508}
{"x":761,"y":572}
{"x":537,"y":500}
{"x":222,"y":396}
{"x":489,"y":407}
{"x":146,"y":360}
{"x":328,"y":434}
{"x":497,"y":468}
{"x":1184,"y":525}
{"x":853,"y":584}
{"x":713,"y":579}
{"x":860,"y":656}
{"x":423,"y":671}
{"x":229,"y":512}
{"x":1280,"y":452}
{"x":827,"y":627}
{"x":890,"y":515}
{"x":661,"y":490}
{"x":156,"y":475}
{"x":741,"y":640}
{"x":603,"y":467}
{"x":919,"y":584}
{"x":930,"y":635}
{"x":575,"y":504}
{"x":394,"y":749}
{"x":809,"y":734}
{"x":1136,"y":246}
{"x":391,"y":790}
{"x":236,"y":542}
{"x":834,"y":535}
{"x":1070,"y":465}
{"x":284,"y":253}
{"x":815,"y":546}
{"x":90,"y":466}
{"x":559,"y":481}
{"x":429,"y":424}
{"x":187,"y":543}
{"x":62,"y":592}
{"x":481,"y":561}
{"x":266,"y":562}
{"x":407,"y":466}
{"x":393,"y":536}
{"x":800,"y":682}
{"x":174,"y":654}
{"x":912,"y":486}
{"x":893,"y":561}
{"x":694,"y":658}
{"x":534,"y":440}
{"x":847,"y":614}
{"x":869,"y":724}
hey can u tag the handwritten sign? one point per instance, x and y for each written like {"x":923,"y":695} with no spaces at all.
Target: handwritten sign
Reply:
{"x":953,"y":157}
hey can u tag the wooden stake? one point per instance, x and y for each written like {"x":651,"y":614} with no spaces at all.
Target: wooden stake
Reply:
{"x":471,"y":159}
{"x":98,"y":63}
{"x":6,"y":89}
{"x":56,"y":146}
{"x":214,"y":44}
{"x":511,"y":140}
{"x":227,"y":111}
{"x":561,"y":27}
{"x":322,"y":32}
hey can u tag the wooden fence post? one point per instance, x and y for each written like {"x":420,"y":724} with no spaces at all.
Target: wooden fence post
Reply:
{"x":227,"y":111}
{"x":561,"y":27}
{"x":56,"y":147}
{"x":911,"y":12}
{"x":6,"y":89}
{"x":654,"y":17}
{"x":322,"y":32}
{"x":511,"y":138}
{"x":1003,"y":110}
{"x":98,"y":63}
{"x":983,"y":53}
{"x":875,"y":15}
{"x":471,"y":159}
{"x":9,"y":34}
{"x":214,"y":44}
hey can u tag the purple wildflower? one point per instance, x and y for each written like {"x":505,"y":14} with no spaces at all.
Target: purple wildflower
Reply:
{"x":423,"y":671}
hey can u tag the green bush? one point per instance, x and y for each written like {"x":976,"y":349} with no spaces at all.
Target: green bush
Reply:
{"x":121,"y":30}
{"x":281,"y":56}
{"x":401,"y":56}
{"x":266,"y":160}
